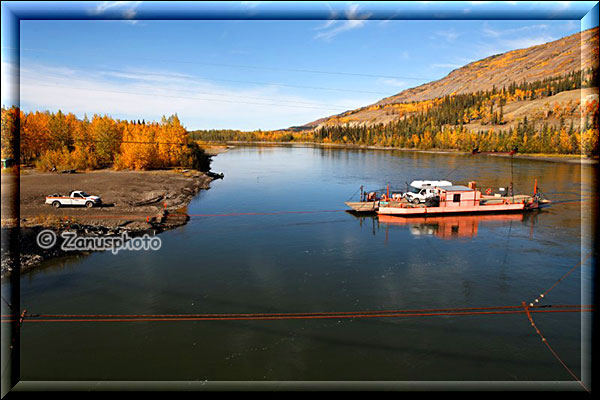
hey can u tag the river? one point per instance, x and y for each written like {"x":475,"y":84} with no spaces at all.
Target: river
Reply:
{"x":329,"y":261}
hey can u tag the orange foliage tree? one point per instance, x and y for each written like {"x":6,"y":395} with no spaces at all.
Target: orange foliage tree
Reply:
{"x":61,"y":141}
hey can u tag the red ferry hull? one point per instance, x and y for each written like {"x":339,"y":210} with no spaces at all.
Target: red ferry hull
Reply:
{"x":474,"y":209}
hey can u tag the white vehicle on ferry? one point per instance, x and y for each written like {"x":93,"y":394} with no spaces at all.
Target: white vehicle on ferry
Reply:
{"x":420,"y":191}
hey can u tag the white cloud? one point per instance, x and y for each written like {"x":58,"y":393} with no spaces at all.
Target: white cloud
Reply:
{"x":354,"y":20}
{"x":523,"y":42}
{"x":506,"y":39}
{"x":392,"y":82}
{"x":159,"y":77}
{"x":126,"y":9}
{"x":450,"y":34}
{"x":10,"y":77}
{"x":251,"y":7}
{"x":491,"y":32}
{"x":149,"y":94}
{"x":563,"y":5}
{"x":502,"y":46}
{"x":392,"y":17}
{"x":327,"y":23}
{"x":251,"y":4}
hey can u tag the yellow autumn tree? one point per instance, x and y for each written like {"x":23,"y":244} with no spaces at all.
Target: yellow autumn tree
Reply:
{"x":35,"y":135}
{"x":138,"y":149}
{"x":414,"y":141}
{"x":426,"y":141}
{"x":84,"y":156}
{"x":172,"y":141}
{"x":564,"y":142}
{"x":590,"y":142}
{"x":107,"y":138}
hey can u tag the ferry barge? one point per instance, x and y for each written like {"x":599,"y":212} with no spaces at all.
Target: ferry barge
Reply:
{"x":449,"y":199}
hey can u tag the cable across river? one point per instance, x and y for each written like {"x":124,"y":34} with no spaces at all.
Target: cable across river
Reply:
{"x":435,"y":312}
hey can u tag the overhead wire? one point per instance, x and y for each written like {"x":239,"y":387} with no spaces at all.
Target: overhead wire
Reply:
{"x":467,"y":311}
{"x":183,"y":97}
{"x":187,"y":76}
{"x":262,"y":83}
{"x":270,"y":68}
{"x":205,"y":92}
{"x":310,"y":71}
{"x":117,"y":141}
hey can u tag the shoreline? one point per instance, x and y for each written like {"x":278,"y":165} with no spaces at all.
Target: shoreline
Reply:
{"x":566,"y":158}
{"x":139,"y":203}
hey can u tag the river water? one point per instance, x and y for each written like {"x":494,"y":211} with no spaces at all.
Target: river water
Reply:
{"x":328,"y":261}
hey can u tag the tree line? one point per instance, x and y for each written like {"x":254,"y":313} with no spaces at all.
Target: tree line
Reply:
{"x":440,"y":123}
{"x":61,"y":141}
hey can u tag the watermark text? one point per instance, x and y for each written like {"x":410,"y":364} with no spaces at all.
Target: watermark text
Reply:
{"x":47,"y":239}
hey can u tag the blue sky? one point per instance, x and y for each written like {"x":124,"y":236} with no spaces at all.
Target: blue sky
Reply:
{"x":249,"y":74}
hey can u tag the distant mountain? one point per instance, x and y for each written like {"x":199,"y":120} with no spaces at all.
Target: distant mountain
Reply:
{"x":572,"y":53}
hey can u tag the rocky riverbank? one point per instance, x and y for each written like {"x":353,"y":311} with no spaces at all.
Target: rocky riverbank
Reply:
{"x":31,"y":254}
{"x":134,"y":202}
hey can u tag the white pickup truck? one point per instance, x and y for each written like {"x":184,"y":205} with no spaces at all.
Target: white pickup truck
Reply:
{"x":76,"y":198}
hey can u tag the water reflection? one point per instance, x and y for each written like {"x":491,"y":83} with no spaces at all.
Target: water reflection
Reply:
{"x":445,"y":227}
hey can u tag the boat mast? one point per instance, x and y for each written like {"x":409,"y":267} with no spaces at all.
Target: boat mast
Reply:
{"x":512,"y":192}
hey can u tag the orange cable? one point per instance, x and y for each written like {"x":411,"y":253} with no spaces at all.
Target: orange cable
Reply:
{"x":527,"y":312}
{"x":237,"y":317}
{"x":541,"y":296}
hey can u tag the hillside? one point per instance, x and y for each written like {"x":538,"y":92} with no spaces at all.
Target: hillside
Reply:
{"x":570,"y":54}
{"x":543,"y":99}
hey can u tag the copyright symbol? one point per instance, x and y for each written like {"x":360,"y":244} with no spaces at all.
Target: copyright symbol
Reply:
{"x":46,"y":239}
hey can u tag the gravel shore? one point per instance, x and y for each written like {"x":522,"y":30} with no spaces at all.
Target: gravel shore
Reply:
{"x":136,"y":202}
